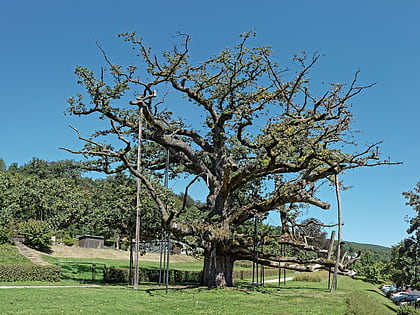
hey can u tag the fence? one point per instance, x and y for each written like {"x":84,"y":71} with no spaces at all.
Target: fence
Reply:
{"x":85,"y":271}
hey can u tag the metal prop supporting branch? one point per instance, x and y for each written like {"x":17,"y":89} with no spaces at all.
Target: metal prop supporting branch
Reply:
{"x":257,"y":278}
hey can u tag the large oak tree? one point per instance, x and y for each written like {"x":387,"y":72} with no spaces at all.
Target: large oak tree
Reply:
{"x":266,"y":139}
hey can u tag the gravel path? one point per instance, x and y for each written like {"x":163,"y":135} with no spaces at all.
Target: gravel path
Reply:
{"x":47,"y":286}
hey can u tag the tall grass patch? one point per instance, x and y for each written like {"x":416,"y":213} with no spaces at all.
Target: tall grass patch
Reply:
{"x":311,"y":276}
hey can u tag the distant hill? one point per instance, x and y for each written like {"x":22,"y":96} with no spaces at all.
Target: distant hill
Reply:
{"x":380,"y":252}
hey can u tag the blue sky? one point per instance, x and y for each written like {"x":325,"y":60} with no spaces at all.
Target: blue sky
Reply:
{"x":42,"y":42}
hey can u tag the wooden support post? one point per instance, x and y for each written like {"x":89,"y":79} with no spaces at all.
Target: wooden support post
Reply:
{"x":331,"y":247}
{"x":337,"y":259}
{"x":138,"y":204}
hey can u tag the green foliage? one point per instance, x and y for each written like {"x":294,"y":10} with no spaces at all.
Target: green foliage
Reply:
{"x":379,"y":253}
{"x":37,"y":234}
{"x":5,"y":234}
{"x":371,"y":267}
{"x":316,"y":235}
{"x":406,"y":255}
{"x":407,"y":310}
{"x":68,"y":240}
{"x":57,"y":193}
{"x":2,"y":165}
{"x":49,"y":191}
{"x":11,"y":273}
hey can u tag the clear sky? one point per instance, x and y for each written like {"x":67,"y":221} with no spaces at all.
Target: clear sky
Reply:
{"x":42,"y":41}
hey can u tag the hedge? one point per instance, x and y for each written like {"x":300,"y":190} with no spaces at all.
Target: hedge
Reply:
{"x":147,"y":275}
{"x":11,"y":273}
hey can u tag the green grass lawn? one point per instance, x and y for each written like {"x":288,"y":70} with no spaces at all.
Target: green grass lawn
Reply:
{"x":296,"y":297}
{"x":10,"y":255}
{"x":351,"y":297}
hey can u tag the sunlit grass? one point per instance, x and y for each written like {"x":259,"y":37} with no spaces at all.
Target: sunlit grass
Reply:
{"x":294,"y":298}
{"x":10,"y":255}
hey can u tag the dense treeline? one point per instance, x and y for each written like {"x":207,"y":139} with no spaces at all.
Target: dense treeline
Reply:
{"x":58,"y":194}
{"x":406,"y":255}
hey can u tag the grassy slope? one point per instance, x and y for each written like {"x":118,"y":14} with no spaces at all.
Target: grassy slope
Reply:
{"x":10,"y":255}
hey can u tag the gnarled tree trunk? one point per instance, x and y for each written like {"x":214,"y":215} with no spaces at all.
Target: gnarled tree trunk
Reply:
{"x":218,"y":266}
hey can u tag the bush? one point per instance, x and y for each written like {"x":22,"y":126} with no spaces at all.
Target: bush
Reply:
{"x":37,"y":234}
{"x":4,"y":234}
{"x":69,"y":241}
{"x":407,"y":310}
{"x":12,"y":273}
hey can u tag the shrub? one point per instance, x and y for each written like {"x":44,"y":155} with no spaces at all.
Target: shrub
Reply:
{"x":407,"y":310}
{"x":12,"y":273}
{"x":37,"y":234}
{"x":4,"y":234}
{"x":68,"y":240}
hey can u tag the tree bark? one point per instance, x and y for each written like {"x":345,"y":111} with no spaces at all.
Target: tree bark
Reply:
{"x":218,"y":267}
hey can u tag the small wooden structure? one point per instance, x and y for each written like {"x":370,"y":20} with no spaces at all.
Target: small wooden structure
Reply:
{"x":91,"y":241}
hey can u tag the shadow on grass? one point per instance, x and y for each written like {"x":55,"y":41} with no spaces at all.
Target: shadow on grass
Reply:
{"x":46,"y":250}
{"x":152,"y":291}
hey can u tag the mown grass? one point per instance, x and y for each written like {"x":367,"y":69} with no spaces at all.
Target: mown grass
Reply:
{"x":351,"y":297}
{"x":10,"y":255}
{"x":296,"y":297}
{"x":152,"y":300}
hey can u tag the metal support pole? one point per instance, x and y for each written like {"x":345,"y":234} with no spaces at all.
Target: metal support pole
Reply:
{"x":161,"y":259}
{"x":167,"y":262}
{"x":131,"y":274}
{"x":255,"y":263}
